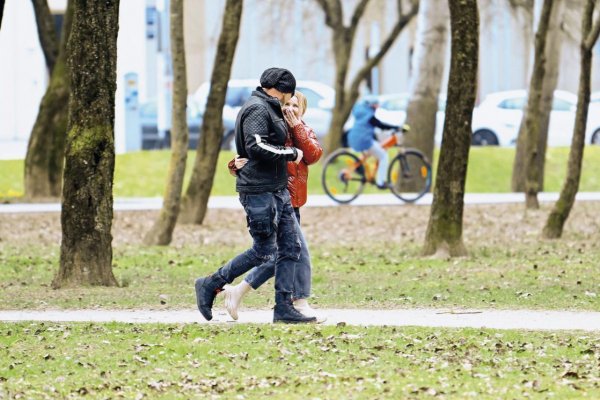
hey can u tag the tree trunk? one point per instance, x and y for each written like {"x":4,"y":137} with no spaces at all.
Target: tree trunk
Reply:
{"x":562,"y":208}
{"x":343,"y":38}
{"x":532,"y":121}
{"x":162,"y":231}
{"x":444,"y":231}
{"x":1,"y":12}
{"x":45,"y":151}
{"x":46,"y":33}
{"x":553,"y":58}
{"x":87,"y":206}
{"x":196,"y":197}
{"x":552,"y":65}
{"x":428,"y":64}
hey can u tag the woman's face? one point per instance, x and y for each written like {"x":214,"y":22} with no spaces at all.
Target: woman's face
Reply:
{"x":293,"y":105}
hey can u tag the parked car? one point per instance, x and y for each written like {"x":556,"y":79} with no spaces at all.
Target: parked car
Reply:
{"x":318,"y":115}
{"x":151,"y":139}
{"x":497,"y":119}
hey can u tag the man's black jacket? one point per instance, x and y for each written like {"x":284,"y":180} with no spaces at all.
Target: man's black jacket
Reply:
{"x":260,"y":134}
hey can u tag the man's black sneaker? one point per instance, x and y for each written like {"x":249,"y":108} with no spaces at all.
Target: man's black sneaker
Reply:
{"x":206,"y":291}
{"x":287,"y":314}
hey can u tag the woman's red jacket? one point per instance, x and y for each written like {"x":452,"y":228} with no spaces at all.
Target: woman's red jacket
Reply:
{"x":302,"y":137}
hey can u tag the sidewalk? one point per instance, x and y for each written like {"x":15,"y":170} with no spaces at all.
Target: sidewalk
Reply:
{"x":496,"y":319}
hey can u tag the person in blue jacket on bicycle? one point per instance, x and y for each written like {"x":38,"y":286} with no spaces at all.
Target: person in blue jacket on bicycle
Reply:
{"x":361,"y":136}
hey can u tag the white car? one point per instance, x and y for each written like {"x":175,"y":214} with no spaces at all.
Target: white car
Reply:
{"x":320,"y":99}
{"x":496,"y":121}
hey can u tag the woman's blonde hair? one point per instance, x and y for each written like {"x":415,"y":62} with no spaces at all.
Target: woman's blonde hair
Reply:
{"x":302,"y":102}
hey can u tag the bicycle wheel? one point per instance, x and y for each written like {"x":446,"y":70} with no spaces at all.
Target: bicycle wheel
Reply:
{"x":343,"y":176}
{"x":409,"y":175}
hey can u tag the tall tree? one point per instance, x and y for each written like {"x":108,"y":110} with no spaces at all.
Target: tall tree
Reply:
{"x":343,"y":39}
{"x":195,"y":200}
{"x":162,"y":231}
{"x":534,"y":100}
{"x":45,"y":151}
{"x":428,"y":63}
{"x":46,"y":32}
{"x":87,"y":200}
{"x":444,"y":231}
{"x":530,"y":137}
{"x":562,"y":208}
{"x":552,"y":59}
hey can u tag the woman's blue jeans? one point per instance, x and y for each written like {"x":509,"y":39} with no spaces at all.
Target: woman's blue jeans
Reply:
{"x":302,"y":271}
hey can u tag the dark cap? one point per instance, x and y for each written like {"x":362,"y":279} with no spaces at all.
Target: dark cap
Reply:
{"x":278,"y":78}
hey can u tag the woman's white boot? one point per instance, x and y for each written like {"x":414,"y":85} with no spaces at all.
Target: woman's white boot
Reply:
{"x":303,"y":306}
{"x":233,"y":297}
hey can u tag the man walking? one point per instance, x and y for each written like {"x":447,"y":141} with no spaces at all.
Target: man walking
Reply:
{"x":260,"y":135}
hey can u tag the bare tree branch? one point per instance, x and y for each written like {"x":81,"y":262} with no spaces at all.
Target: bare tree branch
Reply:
{"x":47,"y":35}
{"x":372,"y":62}
{"x":357,"y":15}
{"x":526,"y":4}
{"x":333,"y":13}
{"x":592,"y":37}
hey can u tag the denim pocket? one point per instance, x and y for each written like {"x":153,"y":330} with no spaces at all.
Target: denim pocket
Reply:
{"x":260,"y":214}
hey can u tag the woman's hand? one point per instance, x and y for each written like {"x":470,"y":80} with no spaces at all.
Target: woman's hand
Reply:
{"x":290,"y":117}
{"x":240,"y":162}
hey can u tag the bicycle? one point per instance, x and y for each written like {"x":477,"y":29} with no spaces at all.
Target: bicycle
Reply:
{"x":345,"y":173}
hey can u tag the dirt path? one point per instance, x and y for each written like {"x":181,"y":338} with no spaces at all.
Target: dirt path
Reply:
{"x":491,"y":225}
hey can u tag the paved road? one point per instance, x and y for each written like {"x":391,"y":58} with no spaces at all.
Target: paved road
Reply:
{"x":497,"y":319}
{"x":231,"y":202}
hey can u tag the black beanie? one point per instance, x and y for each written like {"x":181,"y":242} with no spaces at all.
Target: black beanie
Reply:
{"x":278,"y":78}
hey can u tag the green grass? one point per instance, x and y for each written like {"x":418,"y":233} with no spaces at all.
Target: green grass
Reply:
{"x":11,"y":178}
{"x":143,"y":174}
{"x":548,"y":275}
{"x":115,"y":360}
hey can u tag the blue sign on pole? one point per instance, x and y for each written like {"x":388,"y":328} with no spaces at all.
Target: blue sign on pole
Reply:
{"x":133,"y":130}
{"x":151,"y":22}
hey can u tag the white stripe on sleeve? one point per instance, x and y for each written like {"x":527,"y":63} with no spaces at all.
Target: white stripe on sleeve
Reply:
{"x":268,"y":147}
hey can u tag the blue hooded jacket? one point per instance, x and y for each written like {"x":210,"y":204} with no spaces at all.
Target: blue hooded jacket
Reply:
{"x":360,"y":136}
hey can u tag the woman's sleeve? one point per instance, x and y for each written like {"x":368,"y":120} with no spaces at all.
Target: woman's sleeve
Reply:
{"x":305,"y":139}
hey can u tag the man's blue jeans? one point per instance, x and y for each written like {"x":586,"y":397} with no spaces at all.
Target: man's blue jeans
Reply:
{"x":302,"y":272}
{"x":272,"y":225}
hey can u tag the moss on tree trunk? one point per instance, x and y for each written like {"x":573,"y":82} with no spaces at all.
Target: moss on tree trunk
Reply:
{"x":444,"y":230}
{"x":196,"y":197}
{"x":87,"y":207}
